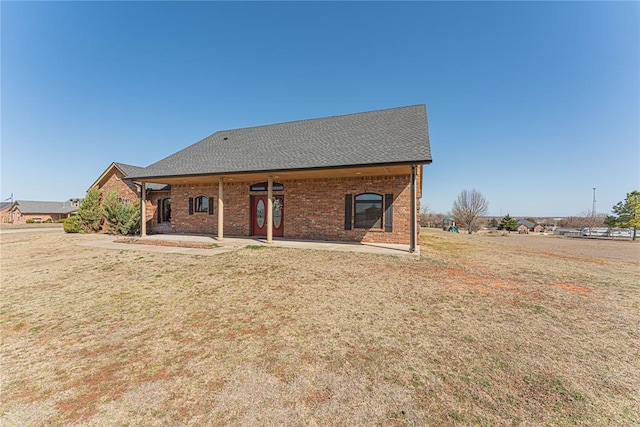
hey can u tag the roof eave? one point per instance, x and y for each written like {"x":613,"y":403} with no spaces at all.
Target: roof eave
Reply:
{"x":193,"y":175}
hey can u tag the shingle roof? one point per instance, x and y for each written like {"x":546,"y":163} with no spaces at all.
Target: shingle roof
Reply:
{"x":36,"y":206}
{"x":129,"y":170}
{"x":5,"y":205}
{"x":526,"y":222}
{"x":158,"y":187}
{"x":392,"y":136}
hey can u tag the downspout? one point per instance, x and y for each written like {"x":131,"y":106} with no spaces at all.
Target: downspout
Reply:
{"x":412,"y":245}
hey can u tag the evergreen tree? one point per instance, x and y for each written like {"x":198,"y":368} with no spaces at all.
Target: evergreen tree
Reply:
{"x":508,"y":223}
{"x":90,"y":212}
{"x":627,"y":212}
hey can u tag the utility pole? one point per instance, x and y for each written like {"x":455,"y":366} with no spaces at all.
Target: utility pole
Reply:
{"x":593,"y":209}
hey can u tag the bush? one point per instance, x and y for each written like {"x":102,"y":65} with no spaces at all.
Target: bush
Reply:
{"x":123,"y":218}
{"x":49,"y":221}
{"x":72,"y":225}
{"x":30,"y":221}
{"x":90,"y":212}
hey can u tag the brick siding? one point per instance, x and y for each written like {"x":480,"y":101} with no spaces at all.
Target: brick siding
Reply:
{"x":313,"y":209}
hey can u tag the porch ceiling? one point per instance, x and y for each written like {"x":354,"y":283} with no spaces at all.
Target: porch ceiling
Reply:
{"x":353,"y":172}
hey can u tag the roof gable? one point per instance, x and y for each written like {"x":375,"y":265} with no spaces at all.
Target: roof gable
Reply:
{"x":128,"y":170}
{"x":392,"y":136}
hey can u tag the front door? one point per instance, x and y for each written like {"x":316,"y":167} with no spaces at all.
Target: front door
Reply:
{"x":259,"y":215}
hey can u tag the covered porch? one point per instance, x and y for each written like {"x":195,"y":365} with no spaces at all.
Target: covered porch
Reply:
{"x":253,"y":205}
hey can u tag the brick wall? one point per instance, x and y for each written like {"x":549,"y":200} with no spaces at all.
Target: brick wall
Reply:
{"x":5,"y":216}
{"x":115,"y":182}
{"x":313,"y":209}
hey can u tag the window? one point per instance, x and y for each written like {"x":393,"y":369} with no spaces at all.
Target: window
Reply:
{"x":368,"y":211}
{"x":166,"y":209}
{"x":263,"y":187}
{"x":202,"y":204}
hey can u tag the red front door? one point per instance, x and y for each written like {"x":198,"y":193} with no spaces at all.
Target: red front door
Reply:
{"x":259,"y":215}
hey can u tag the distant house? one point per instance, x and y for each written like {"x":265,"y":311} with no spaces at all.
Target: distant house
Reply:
{"x":157,"y":197}
{"x":539,"y":228}
{"x":356,"y":177}
{"x":526,"y":226}
{"x":23,"y":211}
{"x":4,"y":211}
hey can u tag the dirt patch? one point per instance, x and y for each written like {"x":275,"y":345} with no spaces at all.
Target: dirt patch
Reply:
{"x":572,"y":288}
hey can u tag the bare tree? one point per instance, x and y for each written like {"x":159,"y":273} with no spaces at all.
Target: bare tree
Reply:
{"x":592,"y":219}
{"x":586,"y":219}
{"x":468,"y":207}
{"x":430,"y":219}
{"x":424,"y":215}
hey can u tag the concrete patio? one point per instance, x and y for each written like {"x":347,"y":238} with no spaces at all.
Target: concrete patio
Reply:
{"x":162,"y":243}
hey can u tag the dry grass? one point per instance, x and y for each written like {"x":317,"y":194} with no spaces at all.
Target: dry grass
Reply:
{"x":480,"y":331}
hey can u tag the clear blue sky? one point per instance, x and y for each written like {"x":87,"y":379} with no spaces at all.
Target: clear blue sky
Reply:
{"x":531,"y":103}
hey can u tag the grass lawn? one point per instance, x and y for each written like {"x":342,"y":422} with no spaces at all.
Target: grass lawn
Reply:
{"x":514,"y":330}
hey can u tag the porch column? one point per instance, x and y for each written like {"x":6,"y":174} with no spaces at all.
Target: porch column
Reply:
{"x":412,"y":244}
{"x":270,"y":210}
{"x":220,"y":211}
{"x":143,"y":209}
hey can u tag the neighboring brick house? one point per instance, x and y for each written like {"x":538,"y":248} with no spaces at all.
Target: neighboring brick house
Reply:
{"x":22,"y":211}
{"x":4,"y":212}
{"x":526,"y":226}
{"x":539,"y":228}
{"x":158,"y":196}
{"x":355,"y":177}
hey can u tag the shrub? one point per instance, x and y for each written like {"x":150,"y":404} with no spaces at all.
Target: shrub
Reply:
{"x":49,"y":221}
{"x":30,"y":221}
{"x":90,"y":212}
{"x":123,"y":218}
{"x":72,"y":225}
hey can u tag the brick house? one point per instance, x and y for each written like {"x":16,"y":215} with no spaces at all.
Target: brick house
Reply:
{"x":157,"y":198}
{"x":355,"y":177}
{"x":525,"y":226}
{"x":4,"y":212}
{"x":21,"y":211}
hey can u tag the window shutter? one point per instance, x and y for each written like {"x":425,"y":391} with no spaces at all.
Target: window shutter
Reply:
{"x":210,"y":205}
{"x":348,"y":208}
{"x":190,"y":205}
{"x":159,"y":211}
{"x":388,"y":213}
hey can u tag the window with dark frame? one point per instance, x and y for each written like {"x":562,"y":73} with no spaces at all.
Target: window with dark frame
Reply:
{"x":368,"y":210}
{"x":166,"y":209}
{"x":201,"y":204}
